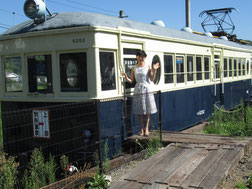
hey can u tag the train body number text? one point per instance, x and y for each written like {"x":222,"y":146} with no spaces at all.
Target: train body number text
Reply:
{"x":78,"y":40}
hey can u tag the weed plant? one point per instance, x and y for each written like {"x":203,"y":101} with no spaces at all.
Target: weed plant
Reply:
{"x":240,"y":185}
{"x":237,"y":123}
{"x":8,"y":173}
{"x":51,"y":168}
{"x":63,"y":165}
{"x":248,"y":185}
{"x":106,"y":164}
{"x":98,"y":181}
{"x":39,"y":172}
{"x":153,"y":146}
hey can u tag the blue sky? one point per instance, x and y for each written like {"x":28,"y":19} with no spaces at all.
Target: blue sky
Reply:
{"x":171,"y":12}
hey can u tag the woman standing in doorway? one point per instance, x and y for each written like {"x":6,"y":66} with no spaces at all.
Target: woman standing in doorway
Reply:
{"x":143,"y":101}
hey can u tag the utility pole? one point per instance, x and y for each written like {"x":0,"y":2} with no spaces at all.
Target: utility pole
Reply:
{"x":13,"y":13}
{"x":188,"y":13}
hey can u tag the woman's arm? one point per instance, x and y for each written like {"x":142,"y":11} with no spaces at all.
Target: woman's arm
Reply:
{"x":153,"y":71}
{"x":131,"y":79}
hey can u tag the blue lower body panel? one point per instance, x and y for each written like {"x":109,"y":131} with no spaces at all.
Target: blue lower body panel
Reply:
{"x":184,"y":108}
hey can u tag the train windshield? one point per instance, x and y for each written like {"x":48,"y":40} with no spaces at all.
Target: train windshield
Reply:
{"x":73,"y":72}
{"x":107,"y":66}
{"x":13,"y":74}
{"x":40,"y":73}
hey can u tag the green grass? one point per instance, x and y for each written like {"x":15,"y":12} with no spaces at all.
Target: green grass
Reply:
{"x":237,"y":123}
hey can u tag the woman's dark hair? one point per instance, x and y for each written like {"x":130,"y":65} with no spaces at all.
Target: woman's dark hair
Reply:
{"x":141,"y":53}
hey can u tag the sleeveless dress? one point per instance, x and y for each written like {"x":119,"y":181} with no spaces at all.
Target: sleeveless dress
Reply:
{"x":143,"y":101}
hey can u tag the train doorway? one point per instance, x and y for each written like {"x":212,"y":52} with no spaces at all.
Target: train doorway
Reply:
{"x":218,"y":78}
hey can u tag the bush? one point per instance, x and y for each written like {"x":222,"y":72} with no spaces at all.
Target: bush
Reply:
{"x":37,"y":170}
{"x":8,"y":173}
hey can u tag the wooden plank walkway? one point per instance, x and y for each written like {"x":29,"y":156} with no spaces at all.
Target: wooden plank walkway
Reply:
{"x":190,"y":161}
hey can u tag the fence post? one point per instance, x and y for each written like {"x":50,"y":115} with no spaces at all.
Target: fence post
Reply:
{"x":124,"y":121}
{"x":97,"y":101}
{"x":160,"y":114}
{"x":1,"y":127}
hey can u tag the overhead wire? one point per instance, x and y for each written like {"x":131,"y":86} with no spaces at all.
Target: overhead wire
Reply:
{"x":4,"y":27}
{"x":78,"y":3}
{"x":67,"y":5}
{"x":102,"y":9}
{"x":12,"y":12}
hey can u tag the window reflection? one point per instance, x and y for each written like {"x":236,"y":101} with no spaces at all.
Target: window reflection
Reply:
{"x":198,"y":68}
{"x":40,"y":73}
{"x":180,"y":69}
{"x":157,"y":77}
{"x":225,"y":67}
{"x":189,"y":68}
{"x":73,"y":72}
{"x":13,"y":74}
{"x":168,"y":68}
{"x":230,"y":67}
{"x":107,"y":67}
{"x":206,"y":67}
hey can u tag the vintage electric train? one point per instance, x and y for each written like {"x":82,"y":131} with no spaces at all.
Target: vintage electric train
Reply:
{"x":79,"y":57}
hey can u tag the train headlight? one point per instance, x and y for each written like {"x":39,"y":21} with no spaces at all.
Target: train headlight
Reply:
{"x":34,"y":9}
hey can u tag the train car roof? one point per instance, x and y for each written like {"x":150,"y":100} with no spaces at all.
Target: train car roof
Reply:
{"x":78,"y":19}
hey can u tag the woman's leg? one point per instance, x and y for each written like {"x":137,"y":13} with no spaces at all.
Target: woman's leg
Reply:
{"x":141,"y":124}
{"x":147,"y":120}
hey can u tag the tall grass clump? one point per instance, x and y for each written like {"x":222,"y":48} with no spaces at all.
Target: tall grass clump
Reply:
{"x":8,"y":173}
{"x":235,"y":123}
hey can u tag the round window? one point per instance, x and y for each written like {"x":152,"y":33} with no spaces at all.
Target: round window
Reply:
{"x":155,"y":60}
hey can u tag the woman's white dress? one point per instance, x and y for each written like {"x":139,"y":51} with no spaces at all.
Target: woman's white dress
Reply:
{"x":143,"y":101}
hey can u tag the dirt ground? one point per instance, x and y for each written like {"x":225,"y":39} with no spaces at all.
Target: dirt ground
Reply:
{"x":238,"y":173}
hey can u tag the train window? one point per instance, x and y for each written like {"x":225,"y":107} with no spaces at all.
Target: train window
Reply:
{"x":180,"y":69}
{"x":239,"y":66}
{"x":247,"y":67}
{"x":199,"y":68}
{"x":130,"y":51}
{"x":13,"y":74}
{"x":216,"y":56}
{"x":225,"y":67}
{"x":243,"y":67}
{"x":40,"y":73}
{"x":154,"y":61}
{"x":107,"y":66}
{"x":251,"y":66}
{"x":235,"y":67}
{"x":230,"y":67}
{"x":206,"y":67}
{"x":168,"y":68}
{"x":189,"y":68}
{"x":129,"y":62}
{"x":73,"y":72}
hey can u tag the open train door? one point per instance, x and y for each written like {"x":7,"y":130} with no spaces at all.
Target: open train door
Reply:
{"x":128,"y":59}
{"x":218,"y":77}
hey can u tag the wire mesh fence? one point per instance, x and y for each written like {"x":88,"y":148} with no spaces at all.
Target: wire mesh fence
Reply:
{"x":61,"y":145}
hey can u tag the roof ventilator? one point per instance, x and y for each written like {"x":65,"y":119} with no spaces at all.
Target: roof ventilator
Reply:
{"x":158,"y":23}
{"x":187,"y":29}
